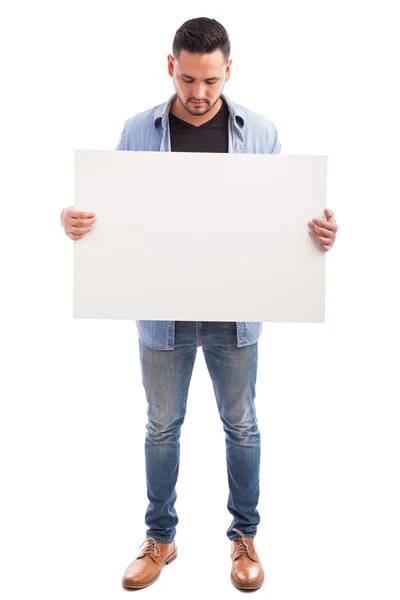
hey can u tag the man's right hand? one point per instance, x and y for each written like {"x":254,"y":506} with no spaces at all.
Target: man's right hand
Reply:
{"x":77,"y":223}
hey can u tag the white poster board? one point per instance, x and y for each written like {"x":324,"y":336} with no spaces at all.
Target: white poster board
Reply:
{"x":199,"y":236}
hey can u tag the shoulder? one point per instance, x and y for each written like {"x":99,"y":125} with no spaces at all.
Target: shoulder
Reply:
{"x":139,"y":132}
{"x":143,"y":118}
{"x":257,"y":120}
{"x":260,"y":132}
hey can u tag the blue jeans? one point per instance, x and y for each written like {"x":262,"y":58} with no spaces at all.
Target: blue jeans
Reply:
{"x":166,"y":377}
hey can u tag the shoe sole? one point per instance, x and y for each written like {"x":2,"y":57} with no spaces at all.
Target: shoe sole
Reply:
{"x":146,"y":583}
{"x":247,"y":587}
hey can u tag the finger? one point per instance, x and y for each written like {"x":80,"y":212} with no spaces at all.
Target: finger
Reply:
{"x":329,"y":213}
{"x":331,"y":225}
{"x":72,"y":236}
{"x":326,"y":247}
{"x":78,"y":214}
{"x":71,"y":220}
{"x":323,"y":231}
{"x":320,"y":238}
{"x":83,"y":222}
{"x":322,"y":223}
{"x":323,"y":240}
{"x":78,"y":230}
{"x":326,"y":224}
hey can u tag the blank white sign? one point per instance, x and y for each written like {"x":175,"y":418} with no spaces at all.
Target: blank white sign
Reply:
{"x":187,"y":236}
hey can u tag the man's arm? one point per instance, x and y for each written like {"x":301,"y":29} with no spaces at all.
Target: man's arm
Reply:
{"x":277,"y":146}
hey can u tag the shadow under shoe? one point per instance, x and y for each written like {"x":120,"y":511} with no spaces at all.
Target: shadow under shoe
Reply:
{"x":147,"y":566}
{"x":247,"y":572}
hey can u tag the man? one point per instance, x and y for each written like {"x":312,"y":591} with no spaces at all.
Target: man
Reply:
{"x":199,"y":118}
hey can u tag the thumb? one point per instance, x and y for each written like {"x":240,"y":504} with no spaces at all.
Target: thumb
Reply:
{"x":328,"y":213}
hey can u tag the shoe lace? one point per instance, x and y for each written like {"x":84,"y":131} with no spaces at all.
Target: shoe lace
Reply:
{"x":151,"y":547}
{"x":243,"y":545}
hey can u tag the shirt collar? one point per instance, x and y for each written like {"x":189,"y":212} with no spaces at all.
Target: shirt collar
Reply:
{"x":162,"y":111}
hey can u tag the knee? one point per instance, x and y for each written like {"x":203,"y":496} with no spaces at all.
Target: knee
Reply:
{"x":241,"y":429}
{"x":162,"y":427}
{"x":245,"y":433}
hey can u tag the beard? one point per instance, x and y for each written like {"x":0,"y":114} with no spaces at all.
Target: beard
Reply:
{"x":200,"y":110}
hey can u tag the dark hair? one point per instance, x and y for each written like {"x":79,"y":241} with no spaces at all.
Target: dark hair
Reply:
{"x":201,"y":36}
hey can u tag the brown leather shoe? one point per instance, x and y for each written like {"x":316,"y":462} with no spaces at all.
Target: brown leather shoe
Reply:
{"x":247,"y":572}
{"x":146,"y":568}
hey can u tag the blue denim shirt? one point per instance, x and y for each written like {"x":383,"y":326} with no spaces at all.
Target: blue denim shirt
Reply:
{"x":149,"y":131}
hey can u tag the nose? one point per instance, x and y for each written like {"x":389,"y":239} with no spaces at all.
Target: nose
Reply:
{"x":198,"y":92}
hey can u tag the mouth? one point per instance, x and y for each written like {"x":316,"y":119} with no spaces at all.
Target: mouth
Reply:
{"x":196,"y":103}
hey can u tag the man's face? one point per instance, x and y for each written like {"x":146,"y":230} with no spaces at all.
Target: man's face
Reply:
{"x":199,"y":77}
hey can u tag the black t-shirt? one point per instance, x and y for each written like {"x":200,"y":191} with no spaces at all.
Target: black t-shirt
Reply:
{"x":212,"y":136}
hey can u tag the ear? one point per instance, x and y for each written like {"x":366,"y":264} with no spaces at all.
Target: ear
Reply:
{"x":228,"y":69}
{"x":170,"y":64}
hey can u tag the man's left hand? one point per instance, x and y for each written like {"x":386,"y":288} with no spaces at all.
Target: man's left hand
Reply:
{"x":324,"y":231}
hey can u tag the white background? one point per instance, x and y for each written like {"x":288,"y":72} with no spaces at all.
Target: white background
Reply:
{"x":73,"y":409}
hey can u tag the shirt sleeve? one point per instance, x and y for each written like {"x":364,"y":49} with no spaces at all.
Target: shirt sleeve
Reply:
{"x":276,"y":148}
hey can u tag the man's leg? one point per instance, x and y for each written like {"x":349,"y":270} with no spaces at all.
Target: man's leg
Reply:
{"x":166,"y":376}
{"x":233,"y":372}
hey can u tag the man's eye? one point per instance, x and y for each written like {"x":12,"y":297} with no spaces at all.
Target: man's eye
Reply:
{"x":191,"y":81}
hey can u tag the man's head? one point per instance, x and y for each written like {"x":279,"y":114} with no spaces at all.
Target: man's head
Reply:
{"x":200,"y":63}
